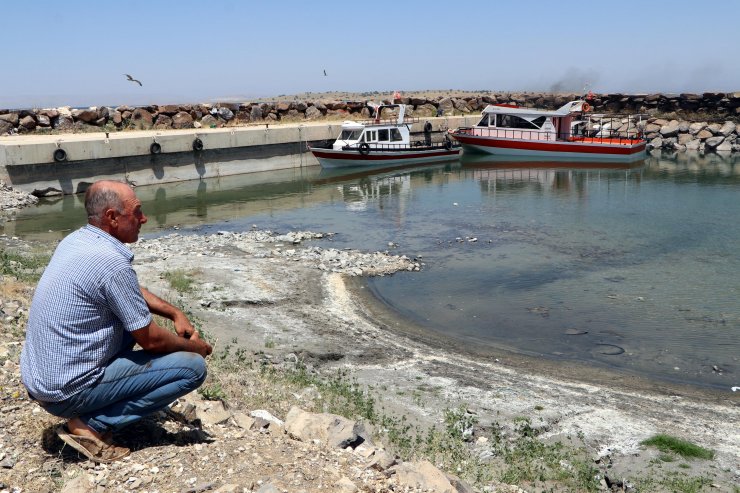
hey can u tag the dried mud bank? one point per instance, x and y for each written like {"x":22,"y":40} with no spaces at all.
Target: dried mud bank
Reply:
{"x":286,"y":298}
{"x":271,"y":294}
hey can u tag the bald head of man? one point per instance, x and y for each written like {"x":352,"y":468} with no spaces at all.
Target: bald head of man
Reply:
{"x":113,"y":207}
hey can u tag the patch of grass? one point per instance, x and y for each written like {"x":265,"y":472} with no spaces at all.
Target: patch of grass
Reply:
{"x":686,"y":484}
{"x":269,"y":343}
{"x":26,"y":268}
{"x":180,"y":280}
{"x":528,"y":459}
{"x":212,"y":392}
{"x":667,"y":443}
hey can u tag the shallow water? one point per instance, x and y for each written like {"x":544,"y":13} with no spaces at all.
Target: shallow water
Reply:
{"x":635,"y":268}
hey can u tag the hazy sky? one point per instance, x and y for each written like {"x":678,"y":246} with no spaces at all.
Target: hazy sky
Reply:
{"x":75,"y":52}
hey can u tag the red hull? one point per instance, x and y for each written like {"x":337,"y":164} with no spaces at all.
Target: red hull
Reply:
{"x":551,"y":147}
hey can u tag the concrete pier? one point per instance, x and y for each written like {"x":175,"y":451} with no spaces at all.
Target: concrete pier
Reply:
{"x":27,"y":162}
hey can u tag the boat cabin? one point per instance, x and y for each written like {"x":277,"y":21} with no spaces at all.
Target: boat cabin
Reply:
{"x":569,"y":122}
{"x":377,"y":133}
{"x":514,"y":122}
{"x":353,"y":134}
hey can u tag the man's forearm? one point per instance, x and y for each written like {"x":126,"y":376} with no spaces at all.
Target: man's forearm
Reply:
{"x":160,"y":307}
{"x":158,"y":340}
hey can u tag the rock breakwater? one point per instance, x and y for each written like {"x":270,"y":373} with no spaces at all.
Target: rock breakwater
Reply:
{"x":703,"y":122}
{"x":683,"y":135}
{"x":708,"y":106}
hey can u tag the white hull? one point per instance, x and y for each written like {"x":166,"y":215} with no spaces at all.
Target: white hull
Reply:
{"x":329,"y":158}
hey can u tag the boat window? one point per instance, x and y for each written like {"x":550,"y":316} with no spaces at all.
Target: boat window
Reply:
{"x":350,"y":134}
{"x":513,"y":121}
{"x":483,"y":121}
{"x":383,"y":135}
{"x":371,"y":136}
{"x":538,"y":122}
{"x":396,"y":135}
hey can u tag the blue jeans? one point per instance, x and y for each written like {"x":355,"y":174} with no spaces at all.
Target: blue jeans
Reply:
{"x":134,"y":385}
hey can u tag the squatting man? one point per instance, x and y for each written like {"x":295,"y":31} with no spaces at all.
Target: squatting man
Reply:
{"x":88,"y":313}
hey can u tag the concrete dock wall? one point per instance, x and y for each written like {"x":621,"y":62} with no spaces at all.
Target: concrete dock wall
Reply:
{"x":27,"y":161}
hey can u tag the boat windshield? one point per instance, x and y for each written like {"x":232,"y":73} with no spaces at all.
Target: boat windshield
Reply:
{"x":513,"y":121}
{"x":350,"y":134}
{"x":483,"y":121}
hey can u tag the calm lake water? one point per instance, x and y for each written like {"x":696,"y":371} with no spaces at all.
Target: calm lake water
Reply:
{"x":636,"y":268}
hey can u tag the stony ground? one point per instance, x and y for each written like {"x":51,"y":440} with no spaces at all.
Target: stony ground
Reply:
{"x":12,"y":200}
{"x":271,"y":300}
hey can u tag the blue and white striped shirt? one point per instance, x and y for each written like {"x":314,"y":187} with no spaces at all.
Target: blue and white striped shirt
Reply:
{"x":86,"y":300}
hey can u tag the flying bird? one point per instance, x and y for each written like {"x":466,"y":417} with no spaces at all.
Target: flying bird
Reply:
{"x":324,"y":72}
{"x":132,"y":79}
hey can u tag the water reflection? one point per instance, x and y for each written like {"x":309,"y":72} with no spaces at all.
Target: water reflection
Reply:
{"x":183,"y":204}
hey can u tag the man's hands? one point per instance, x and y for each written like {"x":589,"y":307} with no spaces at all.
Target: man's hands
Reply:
{"x":183,"y":327}
{"x":201,"y":346}
{"x":160,"y":340}
{"x":155,"y":338}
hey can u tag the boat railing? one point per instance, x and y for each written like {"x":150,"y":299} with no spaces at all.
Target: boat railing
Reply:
{"x":413,"y":146}
{"x":602,"y":137}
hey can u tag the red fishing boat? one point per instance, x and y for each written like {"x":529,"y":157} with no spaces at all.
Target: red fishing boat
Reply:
{"x":568,"y":132}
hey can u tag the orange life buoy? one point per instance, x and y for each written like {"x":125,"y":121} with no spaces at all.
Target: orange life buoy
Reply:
{"x":585,"y":107}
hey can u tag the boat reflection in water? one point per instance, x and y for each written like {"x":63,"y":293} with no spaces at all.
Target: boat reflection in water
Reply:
{"x":491,"y":161}
{"x":389,"y":187}
{"x":496,"y":173}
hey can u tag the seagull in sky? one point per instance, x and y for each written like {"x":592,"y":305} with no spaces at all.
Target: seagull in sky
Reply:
{"x":325,"y":72}
{"x":132,"y":79}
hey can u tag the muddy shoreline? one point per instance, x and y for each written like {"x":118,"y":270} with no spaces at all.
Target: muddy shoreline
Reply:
{"x":280,"y":298}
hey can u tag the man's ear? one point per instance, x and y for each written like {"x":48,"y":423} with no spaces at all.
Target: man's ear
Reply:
{"x":109,"y":216}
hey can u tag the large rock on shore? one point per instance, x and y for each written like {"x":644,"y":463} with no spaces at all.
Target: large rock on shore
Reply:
{"x":182,"y":119}
{"x":330,"y":429}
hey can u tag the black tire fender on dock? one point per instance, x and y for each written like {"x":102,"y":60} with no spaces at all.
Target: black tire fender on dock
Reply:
{"x":155,"y":148}
{"x":60,"y":155}
{"x":197,"y":144}
{"x":427,"y":127}
{"x":364,"y":149}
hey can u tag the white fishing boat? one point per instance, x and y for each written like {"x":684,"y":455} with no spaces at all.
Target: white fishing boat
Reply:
{"x":386,"y":142}
{"x":568,"y":132}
